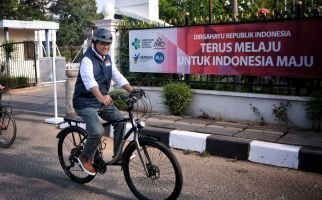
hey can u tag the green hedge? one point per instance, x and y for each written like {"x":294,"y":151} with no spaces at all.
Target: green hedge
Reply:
{"x":177,"y":97}
{"x":14,"y":82}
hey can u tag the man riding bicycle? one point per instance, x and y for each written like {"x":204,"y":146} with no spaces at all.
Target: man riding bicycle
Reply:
{"x":91,"y":93}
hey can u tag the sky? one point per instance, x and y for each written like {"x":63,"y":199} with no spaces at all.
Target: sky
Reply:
{"x":100,"y":4}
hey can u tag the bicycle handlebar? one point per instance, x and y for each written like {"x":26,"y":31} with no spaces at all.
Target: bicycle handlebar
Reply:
{"x":132,"y":101}
{"x":131,"y":98}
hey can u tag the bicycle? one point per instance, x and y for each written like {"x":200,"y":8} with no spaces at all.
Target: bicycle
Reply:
{"x":8,"y":128}
{"x":153,"y":173}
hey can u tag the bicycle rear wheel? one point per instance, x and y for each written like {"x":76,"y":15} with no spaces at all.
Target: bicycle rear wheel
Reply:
{"x":8,"y":129}
{"x":162,"y":178}
{"x":70,"y":145}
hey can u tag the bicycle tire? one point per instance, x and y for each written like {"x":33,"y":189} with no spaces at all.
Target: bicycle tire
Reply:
{"x":8,"y":129}
{"x":154,"y":187}
{"x":69,"y":148}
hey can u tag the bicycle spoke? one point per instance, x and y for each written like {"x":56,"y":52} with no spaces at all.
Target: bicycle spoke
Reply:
{"x":160,"y":181}
{"x":138,"y":167}
{"x":70,"y":146}
{"x":7,"y":129}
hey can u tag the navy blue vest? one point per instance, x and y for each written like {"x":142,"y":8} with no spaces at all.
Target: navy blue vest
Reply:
{"x":102,"y":73}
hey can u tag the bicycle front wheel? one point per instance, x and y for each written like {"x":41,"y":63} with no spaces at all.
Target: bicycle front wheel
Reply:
{"x":8,"y":129}
{"x":70,"y":145}
{"x":155,"y":175}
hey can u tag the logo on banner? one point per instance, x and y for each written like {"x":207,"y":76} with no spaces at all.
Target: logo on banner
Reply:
{"x":136,"y":43}
{"x":136,"y":58}
{"x":159,"y":43}
{"x":147,"y":43}
{"x":146,"y":58}
{"x":159,"y":57}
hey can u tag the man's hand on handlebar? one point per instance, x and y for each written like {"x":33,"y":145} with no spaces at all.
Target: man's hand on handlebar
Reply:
{"x":129,"y":98}
{"x":137,"y":93}
{"x":105,"y":100}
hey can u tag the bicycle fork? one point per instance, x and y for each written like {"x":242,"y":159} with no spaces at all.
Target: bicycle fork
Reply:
{"x":146,"y":155}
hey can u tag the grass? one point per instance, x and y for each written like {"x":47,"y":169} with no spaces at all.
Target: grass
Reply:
{"x":204,"y":154}
{"x":188,"y":152}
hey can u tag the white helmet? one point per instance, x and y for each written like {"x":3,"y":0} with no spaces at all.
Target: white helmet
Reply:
{"x":102,"y":34}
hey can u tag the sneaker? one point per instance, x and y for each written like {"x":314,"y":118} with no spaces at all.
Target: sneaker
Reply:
{"x":86,"y":165}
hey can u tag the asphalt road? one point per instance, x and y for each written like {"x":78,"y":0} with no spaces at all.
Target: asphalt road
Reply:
{"x":30,"y":168}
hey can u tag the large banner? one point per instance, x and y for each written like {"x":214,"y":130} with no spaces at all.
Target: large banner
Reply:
{"x":281,"y":48}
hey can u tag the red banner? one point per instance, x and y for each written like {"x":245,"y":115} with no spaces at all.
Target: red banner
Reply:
{"x":280,"y":48}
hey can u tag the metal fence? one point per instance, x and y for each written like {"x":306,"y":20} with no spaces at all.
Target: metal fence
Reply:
{"x":252,"y":84}
{"x":18,"y":64}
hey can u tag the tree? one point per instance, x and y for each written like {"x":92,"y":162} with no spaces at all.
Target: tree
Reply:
{"x":24,"y":9}
{"x":74,"y":17}
{"x":176,"y":9}
{"x":168,"y":10}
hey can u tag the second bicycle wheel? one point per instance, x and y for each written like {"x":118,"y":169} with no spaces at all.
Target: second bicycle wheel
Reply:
{"x":8,"y":129}
{"x":70,"y":145}
{"x":156,"y":176}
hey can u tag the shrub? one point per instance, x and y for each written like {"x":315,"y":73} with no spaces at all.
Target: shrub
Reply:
{"x":280,"y":111}
{"x":176,"y":97}
{"x":10,"y":49}
{"x":68,"y":55}
{"x":314,"y":110}
{"x":258,"y":114}
{"x":14,"y":82}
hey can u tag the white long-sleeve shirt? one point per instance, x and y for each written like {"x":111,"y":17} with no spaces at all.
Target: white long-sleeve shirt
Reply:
{"x":87,"y":75}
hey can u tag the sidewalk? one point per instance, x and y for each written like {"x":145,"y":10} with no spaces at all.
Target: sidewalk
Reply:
{"x":272,"y":145}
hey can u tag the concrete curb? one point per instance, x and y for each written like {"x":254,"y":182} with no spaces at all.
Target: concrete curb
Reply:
{"x":280,"y":155}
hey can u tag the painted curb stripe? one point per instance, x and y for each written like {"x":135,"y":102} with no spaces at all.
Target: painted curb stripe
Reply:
{"x":188,"y":140}
{"x":162,"y":134}
{"x":281,"y":155}
{"x":274,"y":154}
{"x":236,"y":148}
{"x":310,"y":159}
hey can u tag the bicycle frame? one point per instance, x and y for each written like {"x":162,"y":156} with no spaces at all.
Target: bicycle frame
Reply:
{"x":134,"y":130}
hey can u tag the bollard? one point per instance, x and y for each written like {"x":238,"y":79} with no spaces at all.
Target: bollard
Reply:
{"x":71,"y":76}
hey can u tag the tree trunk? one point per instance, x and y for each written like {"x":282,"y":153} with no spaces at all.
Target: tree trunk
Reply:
{"x":235,"y":7}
